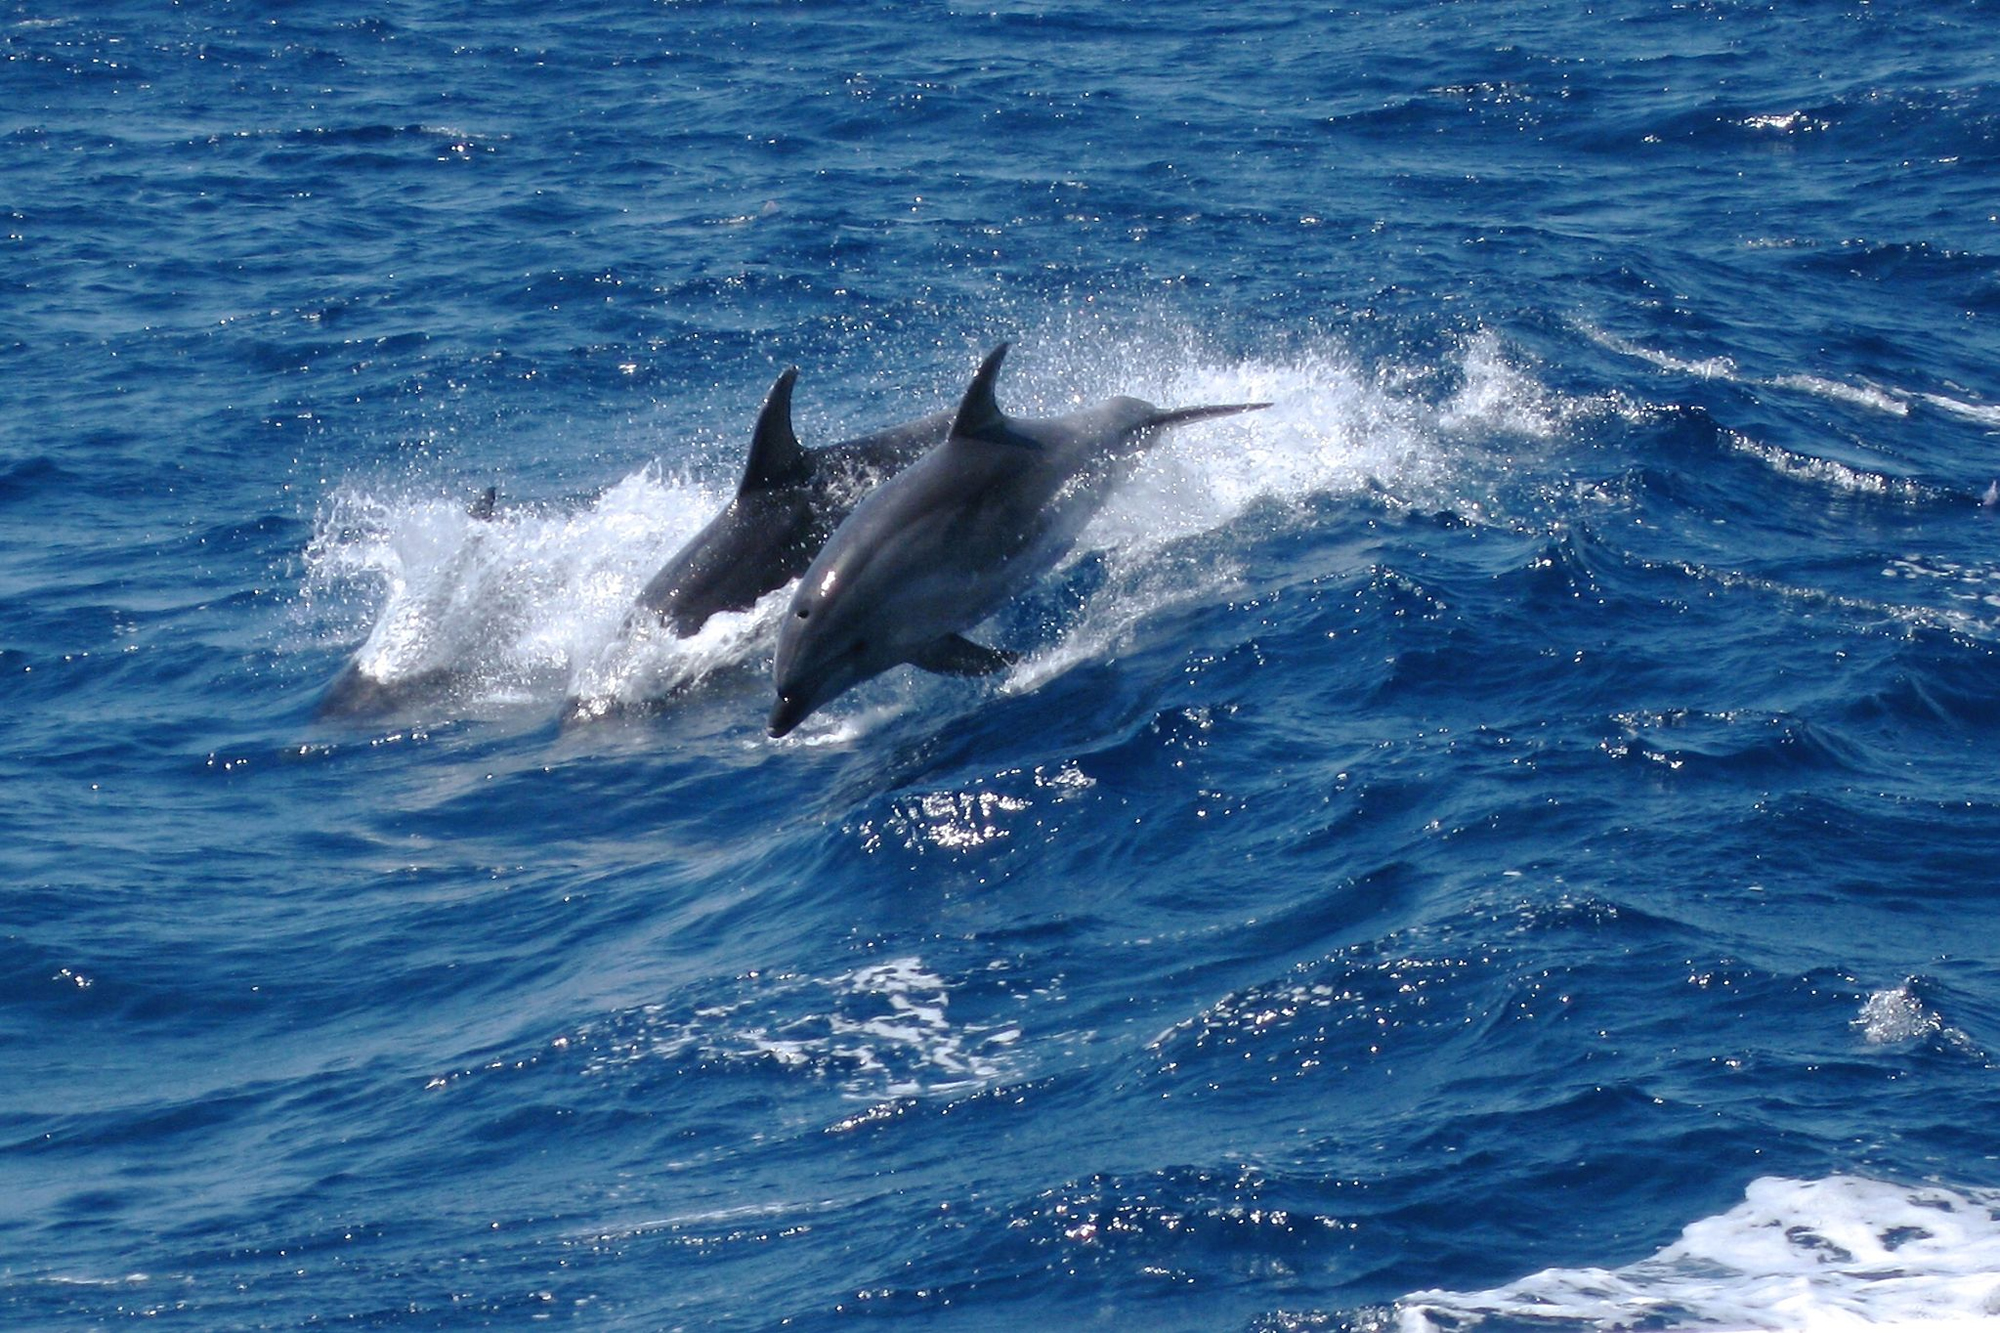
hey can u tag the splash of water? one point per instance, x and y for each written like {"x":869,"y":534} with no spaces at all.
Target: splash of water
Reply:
{"x":1840,"y":1253}
{"x":532,"y":604}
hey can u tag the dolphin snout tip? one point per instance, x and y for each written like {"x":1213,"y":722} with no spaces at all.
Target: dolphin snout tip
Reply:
{"x":786,"y":714}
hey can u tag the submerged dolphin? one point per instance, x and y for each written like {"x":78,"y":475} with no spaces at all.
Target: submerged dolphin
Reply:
{"x":951,"y":538}
{"x":789,"y":502}
{"x":357,"y":691}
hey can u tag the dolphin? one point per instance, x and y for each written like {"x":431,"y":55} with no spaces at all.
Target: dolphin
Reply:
{"x":946,"y":542}
{"x":357,"y":691}
{"x":789,"y":501}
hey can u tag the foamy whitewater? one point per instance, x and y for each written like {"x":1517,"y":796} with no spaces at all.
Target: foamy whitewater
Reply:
{"x":1840,"y":1253}
{"x":533,"y":606}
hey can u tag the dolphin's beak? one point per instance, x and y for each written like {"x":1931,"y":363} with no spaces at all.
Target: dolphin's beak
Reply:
{"x":790,"y":710}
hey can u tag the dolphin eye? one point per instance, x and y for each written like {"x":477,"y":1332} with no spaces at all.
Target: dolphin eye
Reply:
{"x":803,"y":613}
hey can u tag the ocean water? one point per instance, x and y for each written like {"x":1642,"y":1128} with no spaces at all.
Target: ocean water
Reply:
{"x":1504,"y":839}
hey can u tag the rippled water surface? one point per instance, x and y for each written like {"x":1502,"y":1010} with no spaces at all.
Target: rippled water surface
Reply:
{"x":1501,"y":839}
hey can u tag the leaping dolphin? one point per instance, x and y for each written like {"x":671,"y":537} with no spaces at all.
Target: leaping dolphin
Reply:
{"x":789,"y":502}
{"x":947,"y":541}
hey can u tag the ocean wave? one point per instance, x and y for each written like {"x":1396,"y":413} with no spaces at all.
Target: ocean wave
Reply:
{"x":1843,"y":1252}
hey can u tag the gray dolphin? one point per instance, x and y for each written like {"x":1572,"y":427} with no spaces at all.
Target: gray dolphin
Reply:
{"x":357,"y":692}
{"x":951,"y":538}
{"x":789,"y":502}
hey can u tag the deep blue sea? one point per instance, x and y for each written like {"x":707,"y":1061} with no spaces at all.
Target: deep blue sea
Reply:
{"x":1507,"y":838}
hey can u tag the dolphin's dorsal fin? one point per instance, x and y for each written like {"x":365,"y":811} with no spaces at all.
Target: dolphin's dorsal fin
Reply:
{"x":776,"y":459}
{"x":979,"y":415}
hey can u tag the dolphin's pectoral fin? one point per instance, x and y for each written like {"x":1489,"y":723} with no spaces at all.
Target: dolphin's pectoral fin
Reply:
{"x":955,"y":655}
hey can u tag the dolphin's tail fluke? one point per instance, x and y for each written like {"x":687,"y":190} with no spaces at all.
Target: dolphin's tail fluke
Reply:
{"x":1180,"y":416}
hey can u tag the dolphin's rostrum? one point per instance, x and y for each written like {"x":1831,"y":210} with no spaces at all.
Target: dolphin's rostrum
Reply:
{"x":947,"y":541}
{"x":789,"y":501}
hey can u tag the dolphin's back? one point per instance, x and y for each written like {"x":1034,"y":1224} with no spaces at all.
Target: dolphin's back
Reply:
{"x":787,"y":504}
{"x":868,"y":460}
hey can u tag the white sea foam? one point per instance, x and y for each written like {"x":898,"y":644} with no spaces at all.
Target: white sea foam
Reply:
{"x":1985,"y":413}
{"x":537,"y":601}
{"x":1889,"y":401}
{"x":883,"y":1029}
{"x":1972,"y":590}
{"x":1823,"y":471}
{"x":965,"y":821}
{"x":1892,"y":1017}
{"x":1899,"y":1016}
{"x":644,"y":660}
{"x":1333,"y":428}
{"x":1499,"y":394}
{"x":504,"y":607}
{"x":1708,"y":368}
{"x":1787,"y":122}
{"x":1835,"y":1254}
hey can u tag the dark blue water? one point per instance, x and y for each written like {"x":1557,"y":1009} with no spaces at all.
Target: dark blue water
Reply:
{"x":1524,"y":805}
